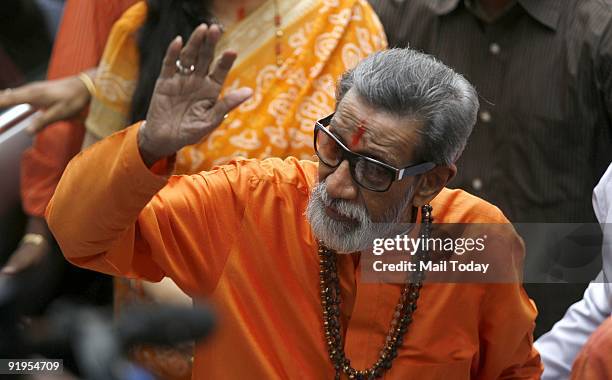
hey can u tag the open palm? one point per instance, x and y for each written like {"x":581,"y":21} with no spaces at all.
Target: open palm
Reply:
{"x":185,"y":106}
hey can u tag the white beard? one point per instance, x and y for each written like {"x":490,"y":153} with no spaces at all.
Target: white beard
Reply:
{"x":346,"y":237}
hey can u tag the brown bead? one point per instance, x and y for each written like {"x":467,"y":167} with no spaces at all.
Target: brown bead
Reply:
{"x":331,"y":301}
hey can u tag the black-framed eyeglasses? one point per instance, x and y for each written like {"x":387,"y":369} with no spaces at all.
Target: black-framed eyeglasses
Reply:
{"x":367,"y":172}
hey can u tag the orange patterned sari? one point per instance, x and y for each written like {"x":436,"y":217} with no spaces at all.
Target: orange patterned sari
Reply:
{"x":320,"y":40}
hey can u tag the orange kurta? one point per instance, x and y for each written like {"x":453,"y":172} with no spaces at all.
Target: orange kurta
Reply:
{"x":595,"y":360}
{"x":237,"y":234}
{"x":79,"y":44}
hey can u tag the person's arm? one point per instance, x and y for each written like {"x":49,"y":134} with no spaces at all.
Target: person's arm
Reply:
{"x":57,"y":100}
{"x":34,"y":246}
{"x":602,"y":205}
{"x":562,"y":343}
{"x":81,"y":37}
{"x":507,"y":350}
{"x":111,"y":213}
{"x":82,"y":34}
{"x":559,"y":346}
{"x":507,"y":314}
{"x":80,"y":41}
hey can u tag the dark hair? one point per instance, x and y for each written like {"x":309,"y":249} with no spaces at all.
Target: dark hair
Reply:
{"x":166,"y":19}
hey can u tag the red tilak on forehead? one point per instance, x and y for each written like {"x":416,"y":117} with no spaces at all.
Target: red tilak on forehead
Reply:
{"x":358,"y":134}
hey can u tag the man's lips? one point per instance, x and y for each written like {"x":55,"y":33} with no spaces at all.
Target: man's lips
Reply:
{"x":332,"y":213}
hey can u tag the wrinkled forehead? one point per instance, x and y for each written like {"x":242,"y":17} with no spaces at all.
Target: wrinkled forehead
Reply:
{"x":369,"y":130}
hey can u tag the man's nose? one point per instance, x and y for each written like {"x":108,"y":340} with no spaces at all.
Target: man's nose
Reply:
{"x":340,"y":184}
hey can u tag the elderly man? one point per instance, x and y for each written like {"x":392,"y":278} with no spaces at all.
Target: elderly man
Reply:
{"x":288,"y":287}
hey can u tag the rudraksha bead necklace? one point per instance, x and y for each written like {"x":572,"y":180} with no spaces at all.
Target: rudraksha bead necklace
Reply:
{"x":402,"y":317}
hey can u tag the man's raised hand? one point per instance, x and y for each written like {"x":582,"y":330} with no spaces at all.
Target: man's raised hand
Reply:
{"x":185,"y":106}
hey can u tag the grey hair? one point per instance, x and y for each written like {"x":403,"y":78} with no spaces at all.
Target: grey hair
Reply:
{"x":410,"y":84}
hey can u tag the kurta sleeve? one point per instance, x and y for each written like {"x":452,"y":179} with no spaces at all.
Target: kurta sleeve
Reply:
{"x":507,"y":318}
{"x":506,"y":334}
{"x":110,"y":213}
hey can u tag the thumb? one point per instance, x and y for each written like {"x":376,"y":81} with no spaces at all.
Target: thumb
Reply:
{"x":230,"y":101}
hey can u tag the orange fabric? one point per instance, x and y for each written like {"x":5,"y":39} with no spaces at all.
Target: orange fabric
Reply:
{"x":595,"y":360}
{"x":79,"y":44}
{"x":237,"y":234}
{"x":321,"y":40}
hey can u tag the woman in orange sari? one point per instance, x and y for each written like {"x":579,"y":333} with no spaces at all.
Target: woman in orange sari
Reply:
{"x":290,"y":52}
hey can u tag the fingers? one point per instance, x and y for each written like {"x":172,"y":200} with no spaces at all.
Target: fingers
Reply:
{"x":49,"y":116}
{"x":189,"y":54}
{"x":206,"y":51}
{"x":230,"y":101}
{"x":198,"y":51}
{"x":23,"y":94}
{"x":172,"y":54}
{"x":222,"y":67}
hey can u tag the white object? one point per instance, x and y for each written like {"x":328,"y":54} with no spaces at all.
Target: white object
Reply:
{"x":560,"y":346}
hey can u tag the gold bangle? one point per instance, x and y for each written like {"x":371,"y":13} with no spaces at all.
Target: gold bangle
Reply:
{"x":88,"y":82}
{"x":34,"y":239}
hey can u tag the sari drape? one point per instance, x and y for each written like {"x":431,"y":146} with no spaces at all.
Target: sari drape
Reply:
{"x":320,"y":41}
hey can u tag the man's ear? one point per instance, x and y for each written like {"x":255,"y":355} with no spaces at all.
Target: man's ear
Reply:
{"x":432,"y":182}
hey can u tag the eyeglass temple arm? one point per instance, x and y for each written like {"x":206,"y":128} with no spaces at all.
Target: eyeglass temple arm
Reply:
{"x":415,"y":170}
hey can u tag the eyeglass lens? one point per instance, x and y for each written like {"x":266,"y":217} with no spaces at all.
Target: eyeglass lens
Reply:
{"x":366,"y":173}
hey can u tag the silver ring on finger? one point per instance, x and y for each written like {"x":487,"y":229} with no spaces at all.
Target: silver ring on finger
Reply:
{"x":184,"y":70}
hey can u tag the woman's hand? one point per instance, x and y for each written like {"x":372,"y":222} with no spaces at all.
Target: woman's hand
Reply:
{"x":60,"y":99}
